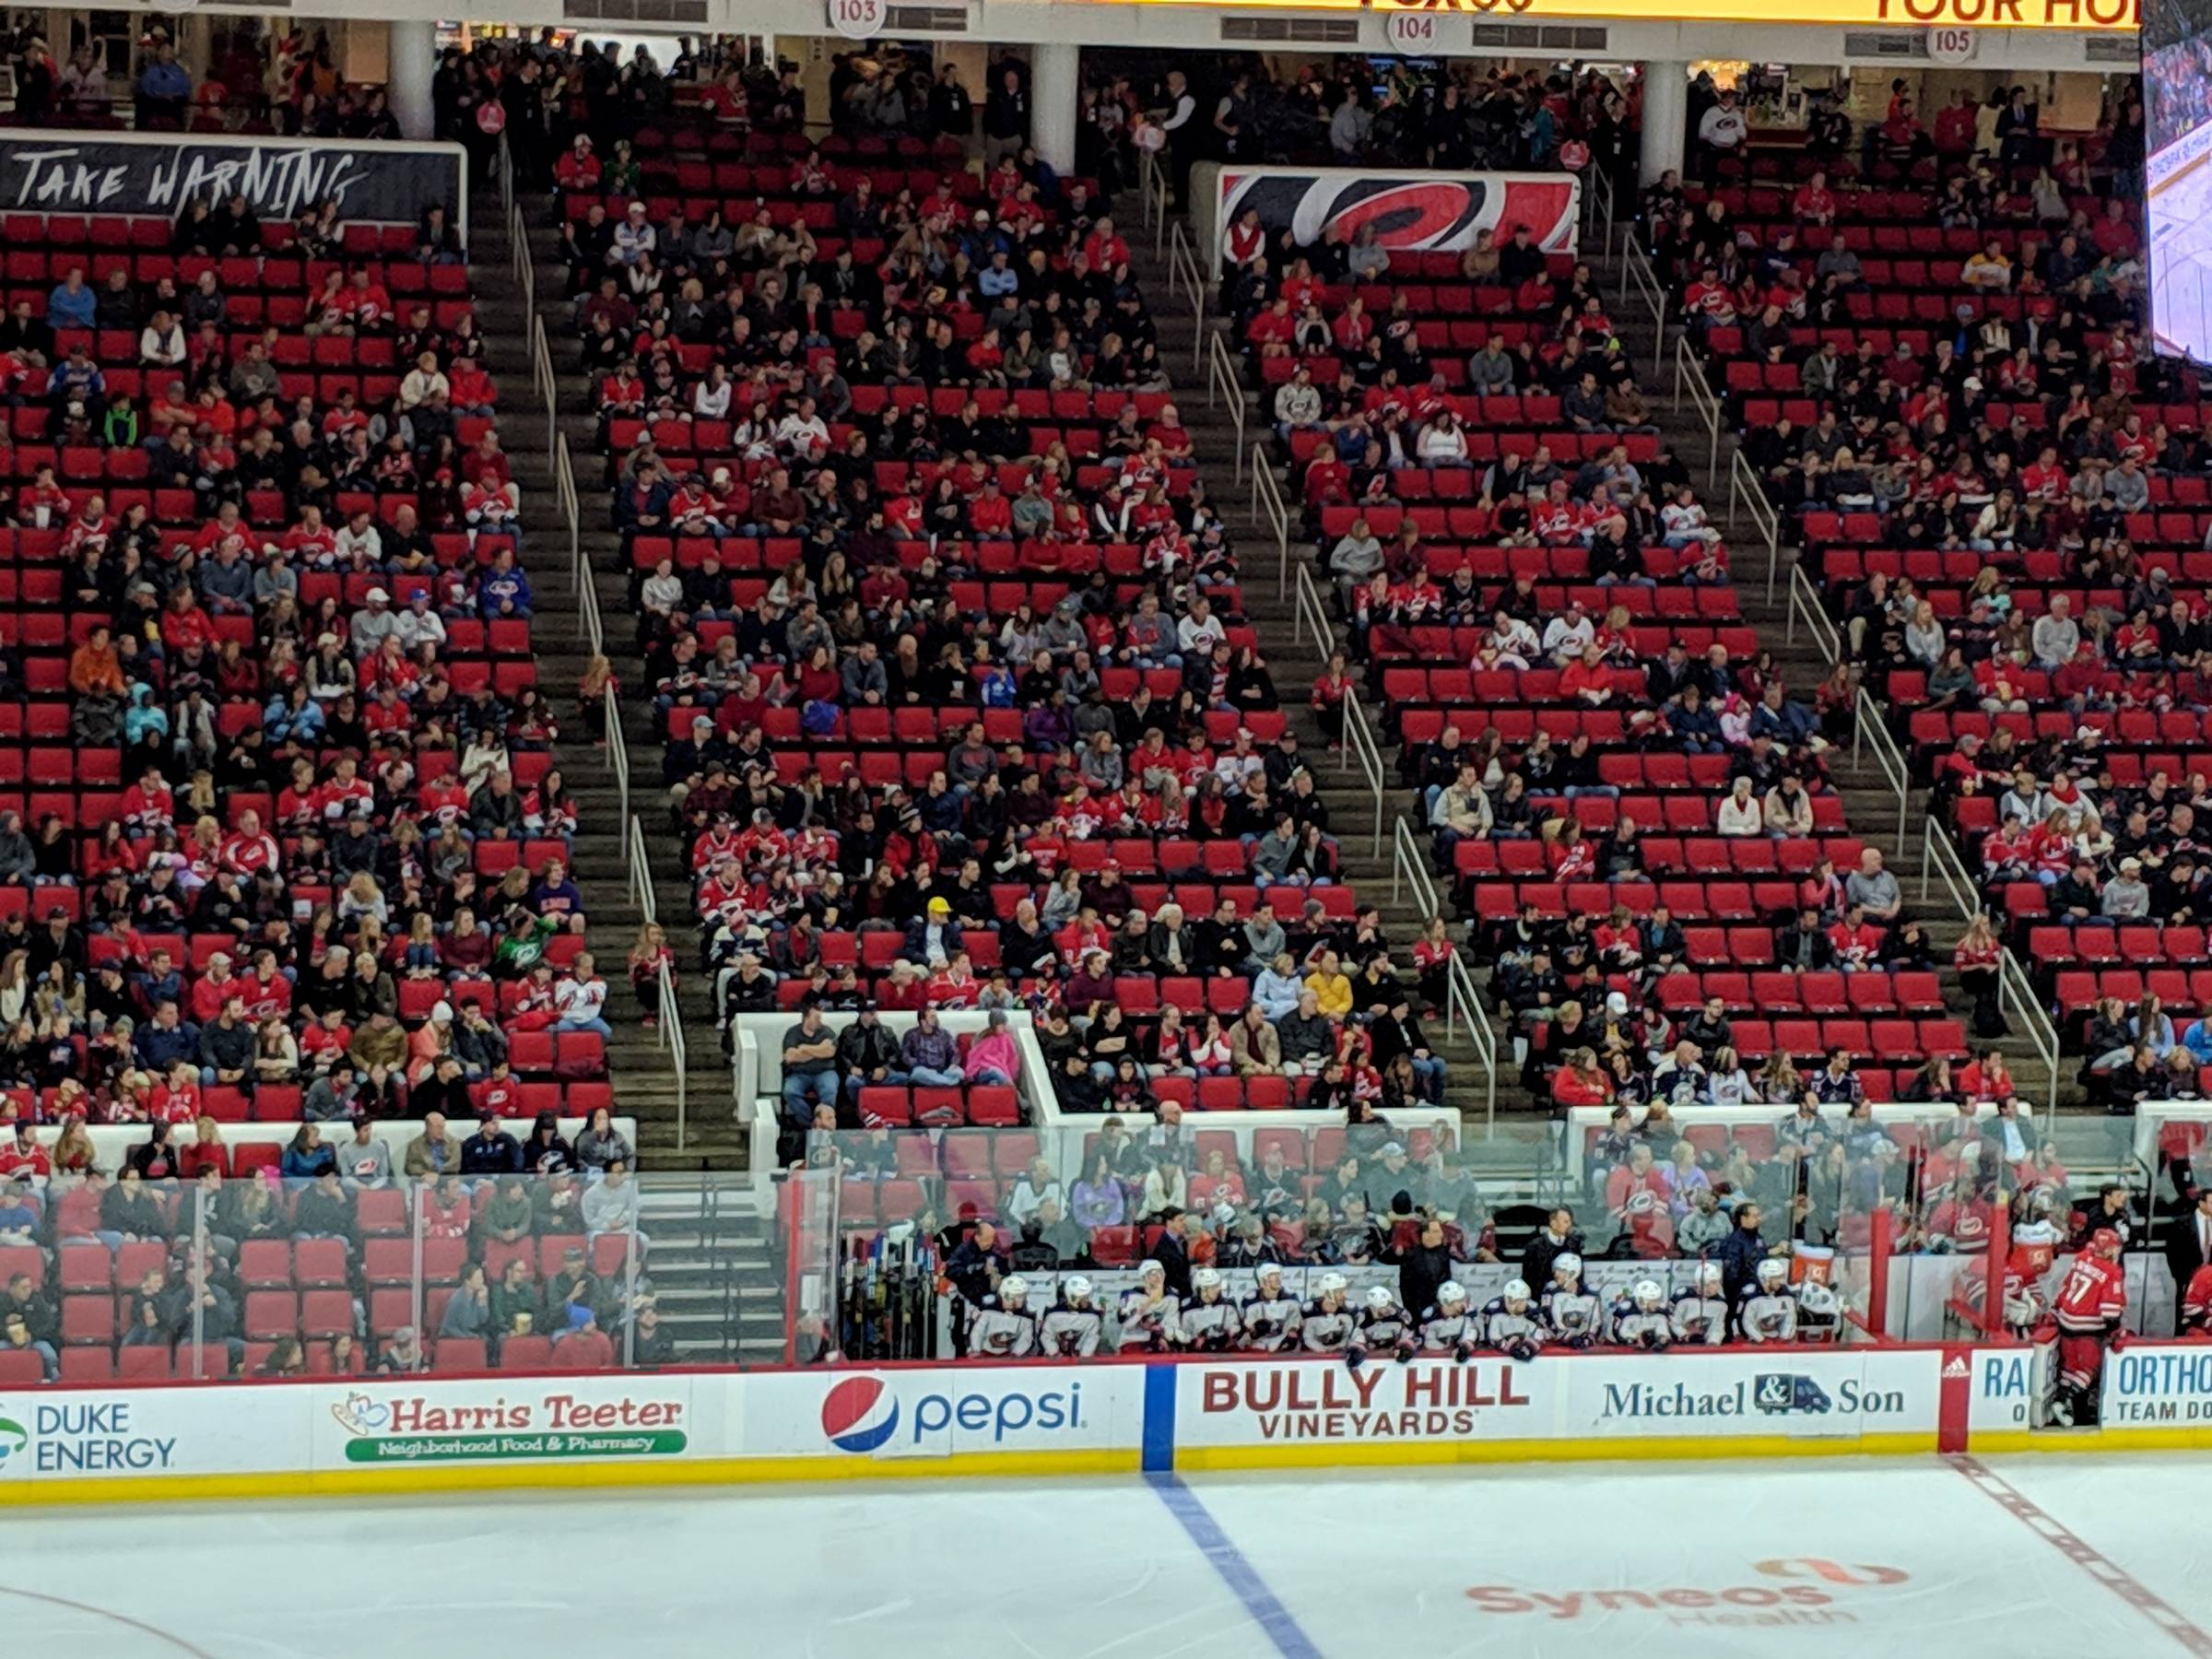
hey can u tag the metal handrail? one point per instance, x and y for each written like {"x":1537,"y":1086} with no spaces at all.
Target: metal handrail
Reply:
{"x":1689,"y":379}
{"x":641,"y":871}
{"x":617,"y":747}
{"x":1221,"y":383}
{"x":1939,"y":856}
{"x":671,"y":1034}
{"x":1359,"y":746}
{"x":1597,"y":202}
{"x":1805,"y":606}
{"x":1636,"y":272}
{"x":588,"y":625}
{"x":1463,"y":1002}
{"x":1182,"y":273}
{"x":545,"y":381}
{"x":1267,"y":498}
{"x":1744,"y":486}
{"x":1309,"y":614}
{"x":1871,"y":734}
{"x":1152,"y":197}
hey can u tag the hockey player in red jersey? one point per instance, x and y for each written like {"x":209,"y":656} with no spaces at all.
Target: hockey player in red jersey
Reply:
{"x":2091,"y":1301}
{"x":2196,"y":1303}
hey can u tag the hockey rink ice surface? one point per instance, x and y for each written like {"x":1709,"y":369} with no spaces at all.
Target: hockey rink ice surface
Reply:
{"x":2091,"y":1555}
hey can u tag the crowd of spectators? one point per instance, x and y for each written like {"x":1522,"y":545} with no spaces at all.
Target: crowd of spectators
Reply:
{"x":1996,"y":488}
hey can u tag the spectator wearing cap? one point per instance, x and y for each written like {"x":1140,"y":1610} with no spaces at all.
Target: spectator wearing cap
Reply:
{"x":935,"y":938}
{"x":373,"y":623}
{"x":2127,"y":895}
{"x":403,"y":1355}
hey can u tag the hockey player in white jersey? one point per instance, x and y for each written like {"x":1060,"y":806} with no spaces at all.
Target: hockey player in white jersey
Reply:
{"x":1270,"y":1315}
{"x":1003,"y":1327}
{"x":1209,"y":1323}
{"x":1150,"y":1313}
{"x":1571,"y":1311}
{"x":1640,"y":1319}
{"x":1700,"y":1312}
{"x":1768,"y":1311}
{"x":1448,"y":1327}
{"x":1510,"y":1323}
{"x":1325,"y":1324}
{"x":1072,"y":1330}
{"x":1387,"y":1330}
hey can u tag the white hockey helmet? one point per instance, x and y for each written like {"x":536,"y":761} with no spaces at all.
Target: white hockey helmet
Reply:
{"x":1708,"y":1273}
{"x":1450,"y":1294}
{"x":1648,"y":1294}
{"x":1817,"y":1298}
{"x":1205,"y":1278}
{"x":1076,"y":1288}
{"x":1568,"y":1263}
{"x":1266,"y":1271}
{"x":1013,"y":1289}
{"x":1380,"y":1299}
{"x":1517,"y":1290}
{"x":1773,"y":1271}
{"x":1333,"y":1283}
{"x":1146,"y":1269}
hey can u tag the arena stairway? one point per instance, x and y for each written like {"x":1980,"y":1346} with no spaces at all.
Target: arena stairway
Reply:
{"x":1870,"y":803}
{"x":1294,"y":664}
{"x":642,"y":1074}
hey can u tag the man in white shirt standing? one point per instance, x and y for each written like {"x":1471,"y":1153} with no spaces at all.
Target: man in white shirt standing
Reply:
{"x":1721,"y":134}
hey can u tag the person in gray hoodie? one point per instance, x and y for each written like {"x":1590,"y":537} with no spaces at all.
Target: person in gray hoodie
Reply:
{"x":1063,"y":632}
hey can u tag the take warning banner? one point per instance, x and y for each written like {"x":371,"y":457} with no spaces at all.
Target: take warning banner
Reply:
{"x":281,"y":178}
{"x":1412,"y":211}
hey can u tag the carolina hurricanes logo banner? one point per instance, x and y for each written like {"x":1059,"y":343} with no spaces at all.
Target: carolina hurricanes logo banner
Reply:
{"x":1410,"y":212}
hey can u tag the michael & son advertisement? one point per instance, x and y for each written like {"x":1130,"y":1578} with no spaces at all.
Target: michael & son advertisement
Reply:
{"x":1256,"y":1413}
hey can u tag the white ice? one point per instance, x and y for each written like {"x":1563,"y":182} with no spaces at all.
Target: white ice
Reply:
{"x":1842,"y":1557}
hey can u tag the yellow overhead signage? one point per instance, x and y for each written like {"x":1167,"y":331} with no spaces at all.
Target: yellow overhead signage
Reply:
{"x":2098,"y":15}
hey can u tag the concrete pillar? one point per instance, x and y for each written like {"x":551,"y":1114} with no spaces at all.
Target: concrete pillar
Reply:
{"x":1055,"y":101}
{"x":1665,"y":118}
{"x":412,"y":60}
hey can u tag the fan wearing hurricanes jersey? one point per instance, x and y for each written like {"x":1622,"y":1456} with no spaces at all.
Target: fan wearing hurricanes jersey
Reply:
{"x":1209,"y":1323}
{"x":1072,"y":1330}
{"x":2091,"y":1301}
{"x":1003,"y":1327}
{"x":1269,"y":1314}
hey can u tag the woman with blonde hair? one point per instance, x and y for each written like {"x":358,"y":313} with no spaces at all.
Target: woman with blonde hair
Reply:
{"x":648,"y":955}
{"x":15,"y":986}
{"x":206,"y":1151}
{"x":592,"y":689}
